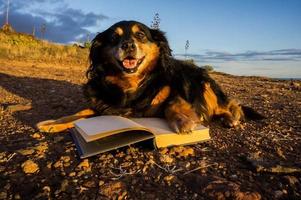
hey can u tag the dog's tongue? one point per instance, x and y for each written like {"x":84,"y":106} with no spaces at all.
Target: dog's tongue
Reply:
{"x":129,"y":63}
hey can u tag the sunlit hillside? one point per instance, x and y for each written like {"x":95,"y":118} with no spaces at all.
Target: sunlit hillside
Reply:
{"x":24,"y":47}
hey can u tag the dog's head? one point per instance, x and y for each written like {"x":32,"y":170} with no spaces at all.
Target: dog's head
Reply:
{"x":128,"y":47}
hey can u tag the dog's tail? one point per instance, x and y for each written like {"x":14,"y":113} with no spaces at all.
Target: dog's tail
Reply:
{"x":250,"y":113}
{"x":63,"y":123}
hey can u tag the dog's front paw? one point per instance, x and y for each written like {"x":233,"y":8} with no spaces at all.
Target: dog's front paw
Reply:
{"x":182,"y":124}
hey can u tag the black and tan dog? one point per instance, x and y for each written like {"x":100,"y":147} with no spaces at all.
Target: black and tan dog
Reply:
{"x":133,"y":74}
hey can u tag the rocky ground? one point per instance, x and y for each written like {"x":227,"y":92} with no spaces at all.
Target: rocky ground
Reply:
{"x":262,"y":160}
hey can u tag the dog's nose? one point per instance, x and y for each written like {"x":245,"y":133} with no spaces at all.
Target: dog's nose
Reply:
{"x":128,"y":46}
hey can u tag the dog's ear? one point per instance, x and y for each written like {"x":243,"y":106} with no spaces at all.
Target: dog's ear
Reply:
{"x":94,"y":57}
{"x":95,"y":46}
{"x":161,"y":40}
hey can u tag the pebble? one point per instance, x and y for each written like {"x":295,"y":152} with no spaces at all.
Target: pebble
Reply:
{"x":234,"y":176}
{"x":58,"y":164}
{"x":278,"y":194}
{"x":166,"y":159}
{"x":3,"y":195}
{"x":36,"y":136}
{"x":184,"y":152}
{"x":17,"y":196}
{"x":89,"y":184}
{"x":85,"y":165}
{"x":46,"y":189}
{"x":169,"y":179}
{"x":64,"y":185}
{"x":292,"y":180}
{"x":26,"y":152}
{"x":30,"y":167}
{"x":163,"y":150}
{"x":71,"y":174}
{"x":65,"y":159}
{"x":112,"y":189}
{"x":100,"y":183}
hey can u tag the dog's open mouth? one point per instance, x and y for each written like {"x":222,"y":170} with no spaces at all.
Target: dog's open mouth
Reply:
{"x":131,"y":64}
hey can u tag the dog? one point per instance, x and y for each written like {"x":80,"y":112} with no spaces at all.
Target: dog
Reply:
{"x":133,"y":74}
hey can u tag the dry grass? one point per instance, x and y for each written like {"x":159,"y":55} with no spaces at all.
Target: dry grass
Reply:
{"x":23,"y":47}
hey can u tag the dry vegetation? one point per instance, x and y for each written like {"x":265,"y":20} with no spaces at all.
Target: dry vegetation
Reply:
{"x":23,"y":47}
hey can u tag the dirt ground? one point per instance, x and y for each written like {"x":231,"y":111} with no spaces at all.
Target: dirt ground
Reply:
{"x":260,"y":161}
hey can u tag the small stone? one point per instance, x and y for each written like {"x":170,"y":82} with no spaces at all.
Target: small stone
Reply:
{"x":169,"y":179}
{"x":163,"y":150}
{"x":17,"y":196}
{"x":84,"y":165}
{"x":26,"y":152}
{"x":292,"y":180}
{"x":30,"y":167}
{"x":89,"y":184}
{"x":112,"y":189}
{"x":46,"y":189}
{"x":64,"y":185}
{"x":36,"y":136}
{"x":71,"y":174}
{"x":145,"y":168}
{"x":166,"y":159}
{"x":187,"y":152}
{"x":278,"y":194}
{"x":234,"y":176}
{"x":65,"y":159}
{"x":3,"y":195}
{"x":58,"y":164}
{"x":80,"y":173}
{"x":187,"y":165}
{"x":100,"y":183}
{"x":49,"y":164}
{"x":42,"y":147}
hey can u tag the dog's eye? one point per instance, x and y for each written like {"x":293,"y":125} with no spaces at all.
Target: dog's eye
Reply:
{"x":140,"y":34}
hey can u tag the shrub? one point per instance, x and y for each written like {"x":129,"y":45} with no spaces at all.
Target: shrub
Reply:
{"x":209,"y":68}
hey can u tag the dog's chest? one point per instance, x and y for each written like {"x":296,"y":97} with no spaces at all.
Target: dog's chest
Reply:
{"x":127,"y":84}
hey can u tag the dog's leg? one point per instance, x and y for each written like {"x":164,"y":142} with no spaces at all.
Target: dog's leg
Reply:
{"x":231,"y":112}
{"x":181,"y":116}
{"x":63,"y":123}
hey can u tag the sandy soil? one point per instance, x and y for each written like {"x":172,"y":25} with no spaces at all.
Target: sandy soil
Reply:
{"x":260,"y":161}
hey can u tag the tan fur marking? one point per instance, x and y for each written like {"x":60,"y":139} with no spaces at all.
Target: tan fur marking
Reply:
{"x":161,"y":96}
{"x":179,"y":105}
{"x":135,"y":28}
{"x":232,"y":112}
{"x":126,"y":83}
{"x":119,"y":31}
{"x":181,"y":116}
{"x":63,"y":123}
{"x":152,"y":52}
{"x":211,"y":100}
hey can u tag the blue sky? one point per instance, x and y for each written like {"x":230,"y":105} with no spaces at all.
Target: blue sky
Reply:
{"x":264,"y":32}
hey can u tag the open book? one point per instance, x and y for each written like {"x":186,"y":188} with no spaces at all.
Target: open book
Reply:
{"x":103,"y":133}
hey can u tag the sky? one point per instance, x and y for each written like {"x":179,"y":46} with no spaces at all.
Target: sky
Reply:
{"x":246,"y":37}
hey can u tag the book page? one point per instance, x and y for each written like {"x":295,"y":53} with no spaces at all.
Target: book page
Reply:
{"x":103,"y":126}
{"x":157,"y":125}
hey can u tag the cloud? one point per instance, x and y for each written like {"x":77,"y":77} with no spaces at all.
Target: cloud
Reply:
{"x":274,"y":55}
{"x":63,"y":24}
